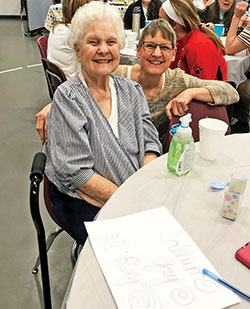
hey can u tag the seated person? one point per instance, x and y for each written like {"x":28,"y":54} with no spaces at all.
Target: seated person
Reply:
{"x":99,"y":127}
{"x":234,"y":44}
{"x":59,"y":51}
{"x":167,"y":91}
{"x":199,"y":50}
{"x":149,"y":11}
{"x":219,"y":12}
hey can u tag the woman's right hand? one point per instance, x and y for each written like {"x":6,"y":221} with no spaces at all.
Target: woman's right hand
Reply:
{"x":41,"y":122}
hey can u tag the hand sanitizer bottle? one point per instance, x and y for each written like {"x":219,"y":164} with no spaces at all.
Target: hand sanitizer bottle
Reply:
{"x":181,"y":151}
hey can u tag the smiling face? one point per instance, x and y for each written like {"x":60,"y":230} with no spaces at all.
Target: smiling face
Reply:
{"x":225,"y":5}
{"x":99,"y":53}
{"x":156,"y":62}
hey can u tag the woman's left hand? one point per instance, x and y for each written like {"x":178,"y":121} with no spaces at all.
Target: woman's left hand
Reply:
{"x":179,"y":105}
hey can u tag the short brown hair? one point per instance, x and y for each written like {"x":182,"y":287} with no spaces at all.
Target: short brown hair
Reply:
{"x":159,"y":25}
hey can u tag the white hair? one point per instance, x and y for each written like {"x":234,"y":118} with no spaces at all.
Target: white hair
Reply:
{"x":91,"y":12}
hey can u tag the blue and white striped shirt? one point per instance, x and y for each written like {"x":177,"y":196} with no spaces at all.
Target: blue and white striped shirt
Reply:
{"x":81,"y":141}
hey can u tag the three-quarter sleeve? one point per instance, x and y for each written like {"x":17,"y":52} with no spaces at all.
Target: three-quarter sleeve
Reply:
{"x":70,"y":150}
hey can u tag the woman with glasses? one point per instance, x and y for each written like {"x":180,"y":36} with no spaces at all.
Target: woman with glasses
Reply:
{"x":199,"y":50}
{"x":169,"y":91}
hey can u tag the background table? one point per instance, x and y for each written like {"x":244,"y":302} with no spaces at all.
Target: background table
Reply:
{"x":195,"y":207}
{"x":237,"y":65}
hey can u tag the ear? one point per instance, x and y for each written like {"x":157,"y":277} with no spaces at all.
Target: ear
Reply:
{"x":138,"y":51}
{"x":173,"y":54}
{"x":78,"y":52}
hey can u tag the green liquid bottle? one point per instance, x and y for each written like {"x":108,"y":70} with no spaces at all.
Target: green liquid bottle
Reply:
{"x":181,"y":151}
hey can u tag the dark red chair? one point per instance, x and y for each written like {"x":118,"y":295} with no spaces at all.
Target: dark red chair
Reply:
{"x":200,"y":110}
{"x":54,"y":76}
{"x":42,"y":43}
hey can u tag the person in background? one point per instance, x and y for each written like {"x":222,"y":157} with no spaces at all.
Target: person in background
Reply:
{"x":99,"y":126}
{"x":167,"y":91}
{"x":219,"y":12}
{"x":234,"y":44}
{"x":59,"y":51}
{"x":199,"y":50}
{"x":149,"y":11}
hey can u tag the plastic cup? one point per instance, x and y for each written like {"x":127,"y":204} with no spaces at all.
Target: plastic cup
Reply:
{"x":131,"y":38}
{"x":211,"y":132}
{"x":218,"y":29}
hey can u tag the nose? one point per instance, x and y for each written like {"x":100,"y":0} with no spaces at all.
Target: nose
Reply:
{"x":157,"y":52}
{"x":103,"y":48}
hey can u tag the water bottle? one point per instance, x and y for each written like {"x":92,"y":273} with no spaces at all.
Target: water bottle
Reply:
{"x":182,"y":151}
{"x":136,"y":21}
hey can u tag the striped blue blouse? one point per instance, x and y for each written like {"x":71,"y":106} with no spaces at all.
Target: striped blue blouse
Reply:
{"x":81,"y":141}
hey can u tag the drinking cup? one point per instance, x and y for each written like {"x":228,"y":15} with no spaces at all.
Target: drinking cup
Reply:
{"x":131,"y":39}
{"x":219,"y":29}
{"x":212,"y":133}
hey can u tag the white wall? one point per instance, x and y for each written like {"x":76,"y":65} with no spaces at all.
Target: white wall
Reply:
{"x":10,"y":7}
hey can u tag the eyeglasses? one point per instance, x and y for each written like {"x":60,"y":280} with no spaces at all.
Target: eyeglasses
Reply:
{"x":150,"y":47}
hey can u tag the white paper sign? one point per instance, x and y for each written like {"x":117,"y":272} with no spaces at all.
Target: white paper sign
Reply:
{"x":150,"y":262}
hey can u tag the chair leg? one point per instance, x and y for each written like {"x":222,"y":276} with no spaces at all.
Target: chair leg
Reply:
{"x":75,"y":251}
{"x":53,"y":234}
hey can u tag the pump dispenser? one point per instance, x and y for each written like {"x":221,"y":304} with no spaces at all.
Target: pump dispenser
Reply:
{"x":181,"y":151}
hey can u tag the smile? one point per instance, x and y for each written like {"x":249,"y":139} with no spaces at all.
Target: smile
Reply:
{"x":155,"y":62}
{"x":103,"y":61}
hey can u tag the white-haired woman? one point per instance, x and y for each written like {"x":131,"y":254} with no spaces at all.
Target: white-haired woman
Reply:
{"x":99,"y":126}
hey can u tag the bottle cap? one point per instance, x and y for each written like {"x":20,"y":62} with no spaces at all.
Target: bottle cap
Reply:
{"x":185,"y":120}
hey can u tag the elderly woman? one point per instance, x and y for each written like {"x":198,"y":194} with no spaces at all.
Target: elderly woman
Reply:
{"x":219,"y":12}
{"x":199,"y":50}
{"x":170,"y":91}
{"x":99,"y":126}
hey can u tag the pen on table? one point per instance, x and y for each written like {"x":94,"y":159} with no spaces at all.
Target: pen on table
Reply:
{"x":226,"y":284}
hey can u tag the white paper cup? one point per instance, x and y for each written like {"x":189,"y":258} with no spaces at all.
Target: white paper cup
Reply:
{"x":211,"y":132}
{"x":131,"y":44}
{"x":131,"y":39}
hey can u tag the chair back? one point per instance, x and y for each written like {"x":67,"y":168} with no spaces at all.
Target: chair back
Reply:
{"x":54,"y":76}
{"x":42,"y":43}
{"x":200,"y":110}
{"x":47,"y":200}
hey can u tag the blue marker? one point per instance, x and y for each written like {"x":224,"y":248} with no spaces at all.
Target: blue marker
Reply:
{"x":227,"y":285}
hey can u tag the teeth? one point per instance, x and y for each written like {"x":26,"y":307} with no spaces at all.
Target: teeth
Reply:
{"x":155,"y":62}
{"x":102,"y":61}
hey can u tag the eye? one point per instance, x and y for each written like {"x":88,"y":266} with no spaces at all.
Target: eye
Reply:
{"x":165,"y":48}
{"x":93,"y":42}
{"x":112,"y":42}
{"x":150,"y":46}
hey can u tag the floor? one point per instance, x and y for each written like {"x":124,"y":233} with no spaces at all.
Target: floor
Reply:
{"x":23,"y":92}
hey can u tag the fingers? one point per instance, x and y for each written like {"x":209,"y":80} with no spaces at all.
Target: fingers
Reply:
{"x":41,"y":127}
{"x":41,"y":122}
{"x":168,"y":110}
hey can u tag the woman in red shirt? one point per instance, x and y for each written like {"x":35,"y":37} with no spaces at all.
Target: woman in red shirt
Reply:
{"x":199,"y":50}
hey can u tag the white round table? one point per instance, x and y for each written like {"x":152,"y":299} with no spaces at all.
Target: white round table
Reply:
{"x":194,"y":206}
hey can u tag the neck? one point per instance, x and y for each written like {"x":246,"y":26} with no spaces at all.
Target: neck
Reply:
{"x":151,"y":83}
{"x":100,"y":83}
{"x":144,"y":5}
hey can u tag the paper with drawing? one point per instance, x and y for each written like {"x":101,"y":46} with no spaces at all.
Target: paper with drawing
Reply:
{"x":150,"y":262}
